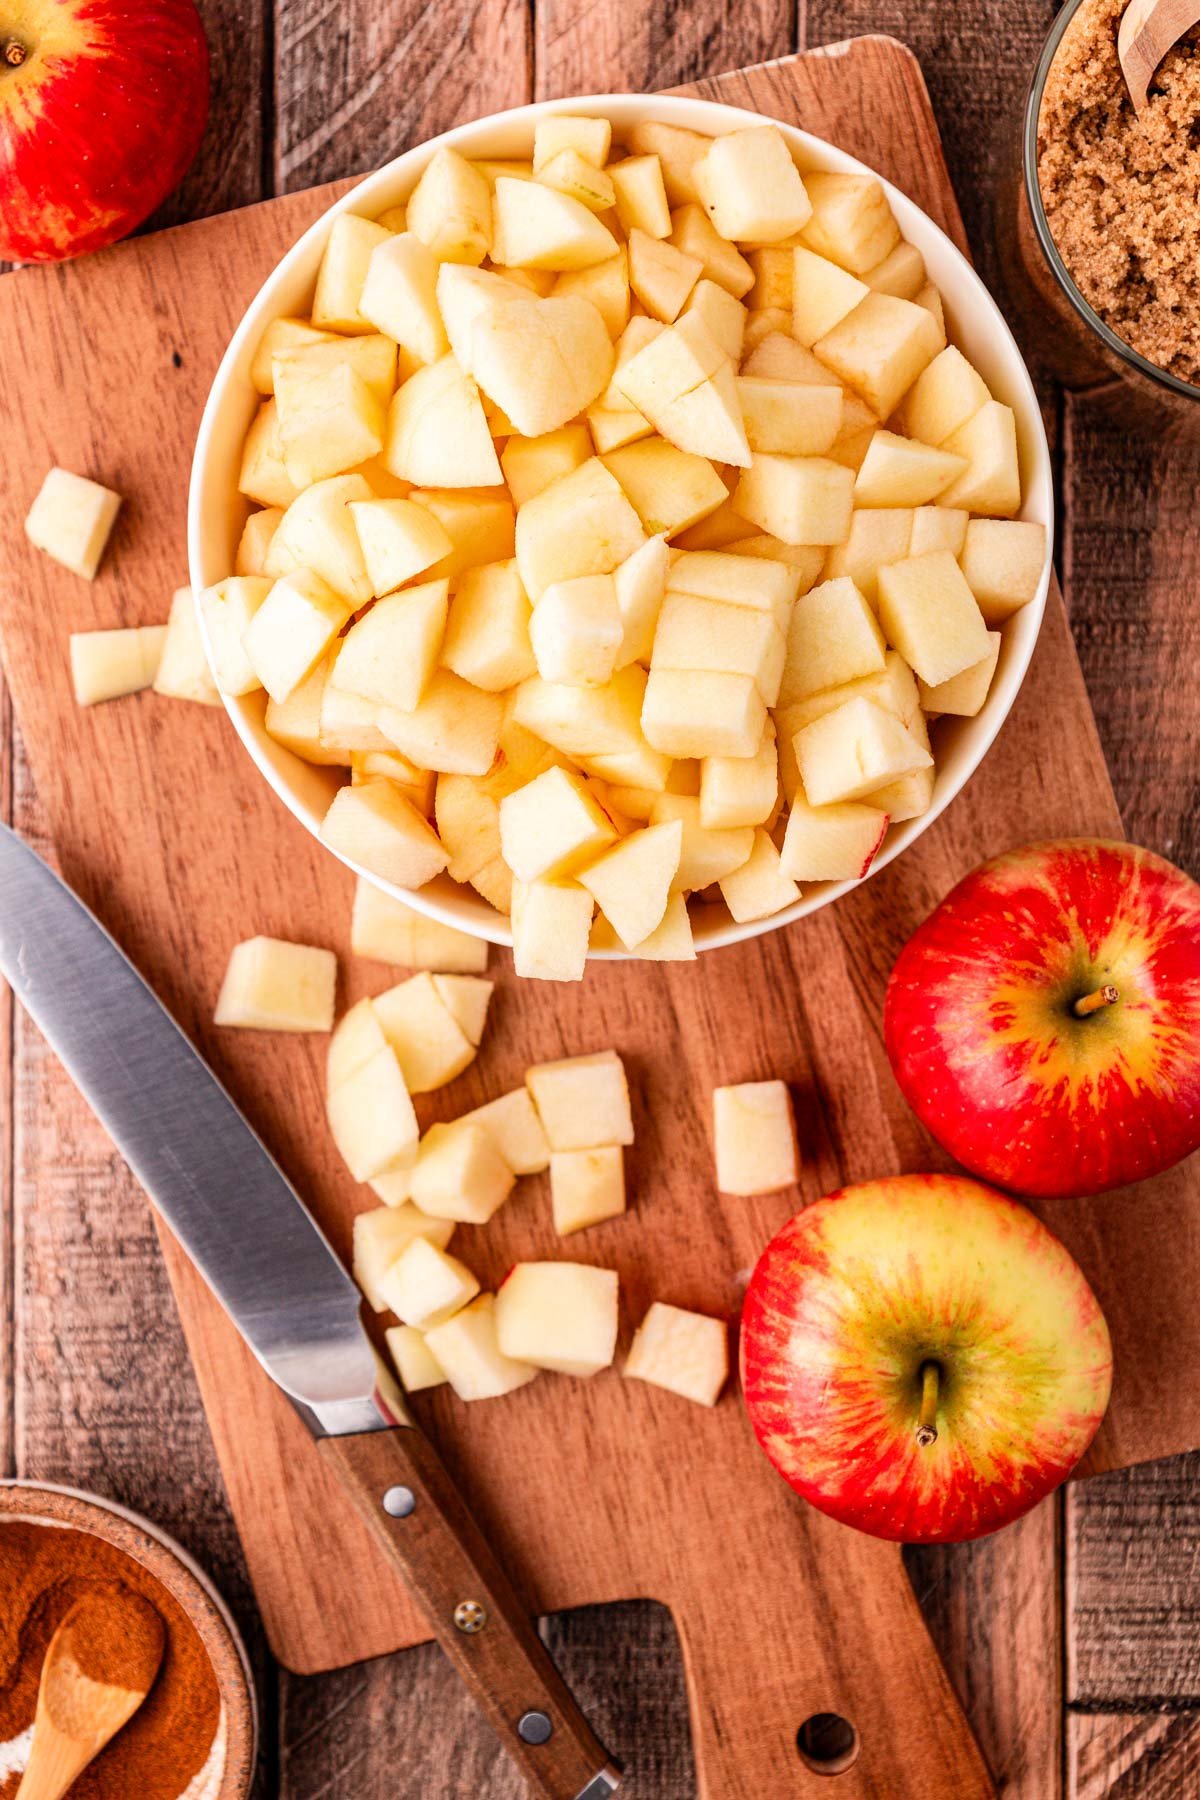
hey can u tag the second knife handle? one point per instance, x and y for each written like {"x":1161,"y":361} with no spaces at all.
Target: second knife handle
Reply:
{"x":419,"y":1519}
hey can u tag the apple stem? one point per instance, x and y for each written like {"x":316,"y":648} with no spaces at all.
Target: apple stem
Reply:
{"x":1091,"y":1003}
{"x":931,"y":1378}
{"x":14,"y":53}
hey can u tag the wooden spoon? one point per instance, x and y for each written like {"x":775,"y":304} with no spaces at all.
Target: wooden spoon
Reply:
{"x":1149,"y":28}
{"x":99,"y":1667}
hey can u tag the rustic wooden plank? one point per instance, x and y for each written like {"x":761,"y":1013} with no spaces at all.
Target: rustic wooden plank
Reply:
{"x":1134,"y":1756}
{"x":234,"y":155}
{"x":625,"y":46}
{"x":356,"y":82}
{"x":364,"y":1731}
{"x":995,"y":1611}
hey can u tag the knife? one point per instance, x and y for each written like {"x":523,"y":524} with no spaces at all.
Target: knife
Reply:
{"x":261,"y":1252}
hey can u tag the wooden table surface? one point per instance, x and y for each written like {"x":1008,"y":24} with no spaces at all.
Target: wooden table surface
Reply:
{"x":1074,"y":1638}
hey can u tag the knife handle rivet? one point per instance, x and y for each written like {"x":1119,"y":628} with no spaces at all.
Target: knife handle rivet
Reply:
{"x":399,"y":1502}
{"x":470,"y":1617}
{"x":534,"y":1728}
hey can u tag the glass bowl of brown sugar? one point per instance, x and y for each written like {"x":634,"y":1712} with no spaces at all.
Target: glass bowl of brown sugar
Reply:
{"x":1108,"y":227}
{"x":194,"y":1737}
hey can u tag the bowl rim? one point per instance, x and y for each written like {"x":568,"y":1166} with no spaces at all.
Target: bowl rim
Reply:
{"x":219,"y":1633}
{"x":687,"y":111}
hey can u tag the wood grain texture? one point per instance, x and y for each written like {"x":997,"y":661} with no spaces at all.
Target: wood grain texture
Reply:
{"x":625,"y":46}
{"x":1134,"y":1756}
{"x":357,"y":82}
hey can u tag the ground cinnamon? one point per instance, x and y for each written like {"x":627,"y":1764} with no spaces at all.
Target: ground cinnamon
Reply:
{"x":44,"y":1570}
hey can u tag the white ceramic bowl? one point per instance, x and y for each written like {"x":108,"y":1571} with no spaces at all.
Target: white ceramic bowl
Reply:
{"x":216,"y":511}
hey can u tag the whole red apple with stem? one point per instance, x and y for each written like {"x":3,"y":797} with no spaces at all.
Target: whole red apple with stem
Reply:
{"x":922,"y":1358}
{"x":1044,"y":1021}
{"x":102,"y":108}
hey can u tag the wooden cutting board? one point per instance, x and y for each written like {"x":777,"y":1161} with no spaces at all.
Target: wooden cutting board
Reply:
{"x":607,"y":1490}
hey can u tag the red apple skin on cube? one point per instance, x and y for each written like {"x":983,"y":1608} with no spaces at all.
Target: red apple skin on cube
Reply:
{"x":102,"y":107}
{"x":851,"y":1301}
{"x":983,"y":1037}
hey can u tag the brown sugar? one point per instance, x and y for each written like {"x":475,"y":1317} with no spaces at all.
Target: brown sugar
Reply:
{"x":1122,"y":193}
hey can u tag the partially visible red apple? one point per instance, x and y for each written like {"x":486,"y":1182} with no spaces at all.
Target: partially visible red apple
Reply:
{"x":922,"y":1359}
{"x":1044,"y":1022}
{"x":102,"y":107}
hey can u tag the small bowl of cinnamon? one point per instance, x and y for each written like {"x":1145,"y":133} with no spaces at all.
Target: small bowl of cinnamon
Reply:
{"x":1107,"y":231}
{"x":194,"y":1737}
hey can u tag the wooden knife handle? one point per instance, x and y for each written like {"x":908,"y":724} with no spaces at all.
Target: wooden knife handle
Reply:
{"x":419,"y":1519}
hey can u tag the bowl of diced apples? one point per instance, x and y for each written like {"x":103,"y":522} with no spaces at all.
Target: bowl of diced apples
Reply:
{"x":619,"y":526}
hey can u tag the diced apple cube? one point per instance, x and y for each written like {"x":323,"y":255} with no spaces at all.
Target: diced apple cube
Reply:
{"x":531,"y":464}
{"x":296,"y":721}
{"x":437,"y":433}
{"x":776,"y":356}
{"x":582,"y":1101}
{"x":708,"y":421}
{"x":880,"y":348}
{"x":587,"y":137}
{"x":631,"y":882}
{"x":767,"y":584}
{"x":399,"y":539}
{"x":454,"y":728}
{"x":494,"y":881}
{"x":228,"y":611}
{"x":330,"y":419}
{"x":382,"y":1235}
{"x":107,"y":665}
{"x":466,"y":1347}
{"x":789,"y":418}
{"x":374,"y":827}
{"x":487,"y":633}
{"x":878,"y":535}
{"x":513,"y":1123}
{"x":425,"y":1286}
{"x":821,"y":295}
{"x":752,"y":188}
{"x":290,"y":631}
{"x":582,"y":524}
{"x":374,"y":357}
{"x":263,"y":475}
{"x":576,"y":631}
{"x":541,"y":228}
{"x":385,"y":930}
{"x":894,"y":689}
{"x":343,"y":272}
{"x":542,"y":361}
{"x":833,"y":637}
{"x":416,"y":1365}
{"x":450,"y":209}
{"x":773,"y":268}
{"x":661,"y":276}
{"x":938,"y":528}
{"x":560,"y":1316}
{"x":281,"y":336}
{"x":347,"y":721}
{"x":270,"y":985}
{"x":424,"y":1032}
{"x":902,"y":272}
{"x":389,"y":654}
{"x":831,"y":843}
{"x":908,"y":797}
{"x":587,"y":1187}
{"x":641,"y":196}
{"x":640,"y":584}
{"x":686,"y":1353}
{"x":801,"y":499}
{"x":848,"y":753}
{"x":898,"y":471}
{"x":737,"y":791}
{"x":712,"y":635}
{"x":669,"y":488}
{"x":255,"y":541}
{"x":930,"y":616}
{"x":706,"y":854}
{"x":724,"y":317}
{"x":460,"y":1173}
{"x":678,"y":151}
{"x":852,"y":223}
{"x":71,"y":520}
{"x":399,"y":296}
{"x":759,"y":887}
{"x":1003,"y":560}
{"x":182,"y":672}
{"x":692,"y":232}
{"x":357,"y":1037}
{"x":552,"y":826}
{"x":670,"y":363}
{"x":963,"y":695}
{"x":991,"y":482}
{"x":944,"y":397}
{"x":371,"y":1118}
{"x":699,"y":714}
{"x":318,"y":532}
{"x":480,"y":525}
{"x":551,"y":924}
{"x":715,"y":531}
{"x":755,"y":1135}
{"x":671,"y":940}
{"x":584,"y":722}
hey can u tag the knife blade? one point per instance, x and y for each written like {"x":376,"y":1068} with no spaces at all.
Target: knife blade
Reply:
{"x":266,"y":1260}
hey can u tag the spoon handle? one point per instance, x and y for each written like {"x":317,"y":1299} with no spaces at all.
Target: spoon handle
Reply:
{"x":54,"y":1762}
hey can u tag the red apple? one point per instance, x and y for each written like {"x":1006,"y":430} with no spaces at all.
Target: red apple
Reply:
{"x":102,"y":107}
{"x":1044,"y":1022}
{"x":922,"y":1359}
